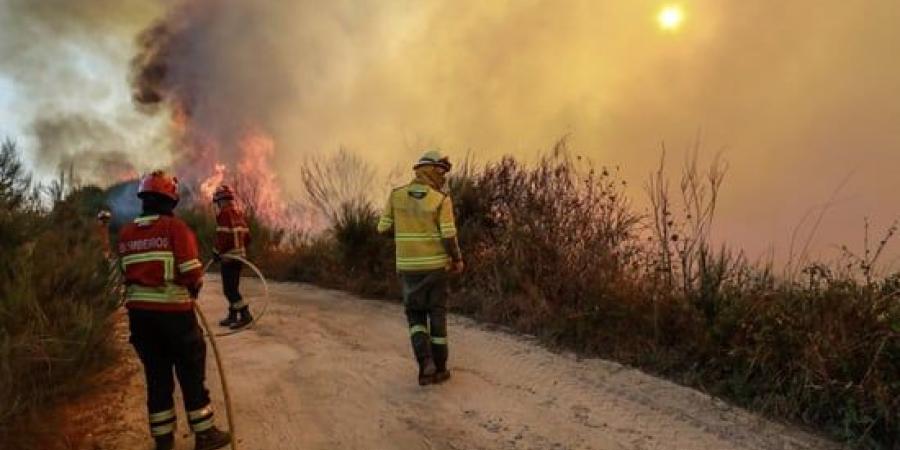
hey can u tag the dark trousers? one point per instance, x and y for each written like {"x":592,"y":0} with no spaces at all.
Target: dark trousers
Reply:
{"x":231,"y":282}
{"x":425,"y":299}
{"x":167,"y":341}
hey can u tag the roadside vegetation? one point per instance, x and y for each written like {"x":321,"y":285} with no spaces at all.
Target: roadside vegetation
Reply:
{"x":556,"y":249}
{"x":56,"y":295}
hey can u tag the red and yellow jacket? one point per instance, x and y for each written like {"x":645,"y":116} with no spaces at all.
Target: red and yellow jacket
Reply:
{"x":232,"y":233}
{"x":160,"y":261}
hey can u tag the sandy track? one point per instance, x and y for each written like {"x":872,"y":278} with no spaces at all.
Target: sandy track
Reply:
{"x":325,"y":370}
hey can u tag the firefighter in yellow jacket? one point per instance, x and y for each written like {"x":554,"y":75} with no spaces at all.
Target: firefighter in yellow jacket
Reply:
{"x":420,"y":216}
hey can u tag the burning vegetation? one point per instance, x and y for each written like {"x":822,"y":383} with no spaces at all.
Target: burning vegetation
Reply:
{"x":553,"y":249}
{"x":216,"y":141}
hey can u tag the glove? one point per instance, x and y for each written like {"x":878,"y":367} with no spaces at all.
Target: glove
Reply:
{"x":217,"y":257}
{"x":194,"y":291}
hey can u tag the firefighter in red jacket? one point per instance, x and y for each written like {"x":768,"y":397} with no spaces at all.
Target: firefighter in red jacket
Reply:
{"x":163,"y":276}
{"x":232,"y":239}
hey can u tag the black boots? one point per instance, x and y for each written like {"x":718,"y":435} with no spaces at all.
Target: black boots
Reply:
{"x":211,"y":439}
{"x":228,"y":321}
{"x":237,"y":319}
{"x":426,"y":373}
{"x":441,"y":376}
{"x":244,"y":319}
{"x":431,"y":374}
{"x":165,"y":442}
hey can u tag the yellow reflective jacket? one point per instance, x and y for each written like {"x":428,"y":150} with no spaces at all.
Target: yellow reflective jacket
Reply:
{"x":421,"y":217}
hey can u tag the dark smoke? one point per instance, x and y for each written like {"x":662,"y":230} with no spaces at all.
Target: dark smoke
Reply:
{"x":61,"y":57}
{"x":92,"y":147}
{"x":150,"y":65}
{"x":192,"y":64}
{"x":801,"y":93}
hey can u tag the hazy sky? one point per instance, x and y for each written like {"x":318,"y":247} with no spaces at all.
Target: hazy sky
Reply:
{"x":798,"y":95}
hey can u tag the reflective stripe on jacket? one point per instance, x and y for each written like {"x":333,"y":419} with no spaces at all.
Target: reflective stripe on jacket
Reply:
{"x":232,"y":232}
{"x":421,"y":217}
{"x":160,"y":261}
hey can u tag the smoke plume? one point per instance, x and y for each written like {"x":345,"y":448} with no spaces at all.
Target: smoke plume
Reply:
{"x":192,"y":66}
{"x":799,"y":94}
{"x":92,"y":148}
{"x":60,"y":67}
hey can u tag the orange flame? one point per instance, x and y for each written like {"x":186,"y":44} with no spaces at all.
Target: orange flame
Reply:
{"x":255,"y":175}
{"x":209,"y":185}
{"x":246,"y":166}
{"x":252,"y":178}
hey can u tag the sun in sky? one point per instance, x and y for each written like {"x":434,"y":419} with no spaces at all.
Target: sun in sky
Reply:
{"x":670,"y":17}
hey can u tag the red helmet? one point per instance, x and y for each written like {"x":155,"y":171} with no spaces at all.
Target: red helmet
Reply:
{"x":223,"y":192}
{"x":158,"y":182}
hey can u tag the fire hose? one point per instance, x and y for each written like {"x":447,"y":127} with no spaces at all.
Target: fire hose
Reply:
{"x":229,"y":410}
{"x":265,"y":284}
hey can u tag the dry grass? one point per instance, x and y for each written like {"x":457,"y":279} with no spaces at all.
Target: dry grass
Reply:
{"x":557,"y":250}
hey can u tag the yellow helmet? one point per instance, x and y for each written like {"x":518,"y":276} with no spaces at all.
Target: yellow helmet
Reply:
{"x":434,"y":158}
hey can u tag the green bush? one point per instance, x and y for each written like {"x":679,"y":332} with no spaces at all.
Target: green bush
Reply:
{"x":57,"y":293}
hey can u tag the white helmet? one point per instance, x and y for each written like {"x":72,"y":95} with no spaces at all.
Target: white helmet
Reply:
{"x":434,"y":158}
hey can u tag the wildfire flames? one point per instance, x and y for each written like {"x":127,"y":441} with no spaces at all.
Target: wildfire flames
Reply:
{"x":218,"y":141}
{"x":250,"y":174}
{"x":252,"y":177}
{"x":208,"y":186}
{"x":254,"y":173}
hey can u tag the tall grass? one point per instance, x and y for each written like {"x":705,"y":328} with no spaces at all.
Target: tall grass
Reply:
{"x":557,"y":249}
{"x":56,"y":293}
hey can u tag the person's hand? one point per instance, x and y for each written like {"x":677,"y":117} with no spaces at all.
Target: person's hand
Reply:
{"x":217,"y":257}
{"x":457,"y":267}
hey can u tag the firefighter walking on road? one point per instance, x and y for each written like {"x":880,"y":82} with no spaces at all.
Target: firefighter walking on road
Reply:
{"x":420,"y":216}
{"x":163,"y":276}
{"x":232,"y":239}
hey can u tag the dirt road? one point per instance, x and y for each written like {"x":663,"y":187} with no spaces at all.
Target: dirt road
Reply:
{"x":325,"y":370}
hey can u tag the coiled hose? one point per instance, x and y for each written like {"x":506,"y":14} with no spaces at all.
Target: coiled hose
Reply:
{"x":265,"y":305}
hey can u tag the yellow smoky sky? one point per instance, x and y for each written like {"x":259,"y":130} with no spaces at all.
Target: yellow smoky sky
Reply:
{"x":800,"y":97}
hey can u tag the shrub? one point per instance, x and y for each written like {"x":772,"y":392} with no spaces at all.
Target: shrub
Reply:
{"x":56,"y":293}
{"x":556,"y":249}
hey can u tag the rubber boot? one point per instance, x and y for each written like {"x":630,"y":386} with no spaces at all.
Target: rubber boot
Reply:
{"x":211,"y":439}
{"x":232,"y":318}
{"x":165,"y":442}
{"x":441,"y":376}
{"x":440,"y":362}
{"x":244,"y":319}
{"x":426,"y":374}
